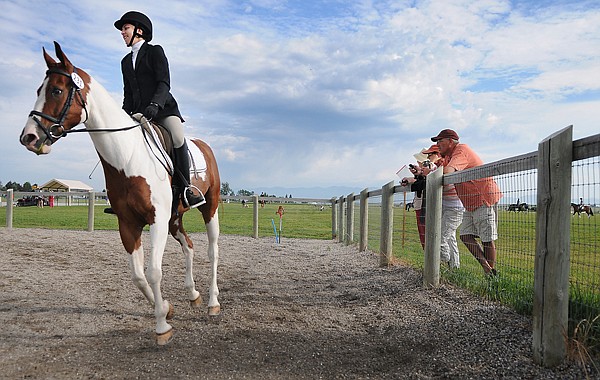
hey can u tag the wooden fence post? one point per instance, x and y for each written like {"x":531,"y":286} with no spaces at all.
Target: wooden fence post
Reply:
{"x":363,"y":239}
{"x":334,"y":230}
{"x":387,"y":218}
{"x":91,"y":203}
{"x":10,"y":198}
{"x":349,"y":219}
{"x":255,"y":215}
{"x":552,"y":252}
{"x":340,"y":218}
{"x":433,"y":228}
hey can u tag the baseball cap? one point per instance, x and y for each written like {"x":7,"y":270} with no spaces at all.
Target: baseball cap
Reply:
{"x":445,"y":134}
{"x":432,"y":149}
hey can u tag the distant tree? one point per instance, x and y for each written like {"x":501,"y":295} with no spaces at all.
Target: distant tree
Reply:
{"x":27,"y":187}
{"x":13,"y":185}
{"x":225,"y":189}
{"x":244,"y":193}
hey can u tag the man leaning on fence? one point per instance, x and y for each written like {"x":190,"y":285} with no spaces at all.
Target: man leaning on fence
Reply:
{"x":479,"y":197}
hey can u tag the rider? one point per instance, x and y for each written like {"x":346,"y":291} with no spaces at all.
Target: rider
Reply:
{"x":146,"y":87}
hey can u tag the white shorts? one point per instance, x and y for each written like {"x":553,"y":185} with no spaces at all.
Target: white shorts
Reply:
{"x":481,"y":222}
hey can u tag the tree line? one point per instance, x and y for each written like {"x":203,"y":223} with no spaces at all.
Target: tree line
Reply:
{"x":225,"y":189}
{"x":27,"y":186}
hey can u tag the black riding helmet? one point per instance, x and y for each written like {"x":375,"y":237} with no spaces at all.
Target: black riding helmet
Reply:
{"x":138,"y":20}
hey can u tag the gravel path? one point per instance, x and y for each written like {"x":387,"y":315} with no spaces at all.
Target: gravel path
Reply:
{"x":303,"y":309}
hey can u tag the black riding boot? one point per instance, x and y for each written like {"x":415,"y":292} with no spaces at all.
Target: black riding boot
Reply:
{"x":182,"y":161}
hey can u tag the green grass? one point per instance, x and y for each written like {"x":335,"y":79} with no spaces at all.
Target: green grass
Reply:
{"x":299,"y":220}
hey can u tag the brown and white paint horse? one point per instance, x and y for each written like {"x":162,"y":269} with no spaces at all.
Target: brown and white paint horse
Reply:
{"x":137,"y":183}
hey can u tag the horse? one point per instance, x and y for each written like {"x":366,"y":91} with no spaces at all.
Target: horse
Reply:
{"x":578,"y":209}
{"x":138,"y":181}
{"x":518,"y":207}
{"x":409,"y":205}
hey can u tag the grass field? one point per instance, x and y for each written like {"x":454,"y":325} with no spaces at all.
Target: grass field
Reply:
{"x":299,"y":220}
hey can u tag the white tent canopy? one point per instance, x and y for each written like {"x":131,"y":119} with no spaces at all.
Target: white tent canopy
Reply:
{"x":65,"y":185}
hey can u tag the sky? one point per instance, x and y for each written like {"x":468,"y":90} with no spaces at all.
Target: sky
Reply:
{"x":305,"y":94}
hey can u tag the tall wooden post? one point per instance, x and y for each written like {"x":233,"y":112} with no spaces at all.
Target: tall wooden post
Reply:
{"x":334,"y":230}
{"x":10,"y":198}
{"x":91,"y":203}
{"x":433,"y":228}
{"x":363,"y":240}
{"x":552,"y":251}
{"x":255,"y":215}
{"x":340,"y":220}
{"x":387,"y":218}
{"x":349,"y":219}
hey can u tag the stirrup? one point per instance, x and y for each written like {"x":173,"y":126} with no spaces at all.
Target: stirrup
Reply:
{"x":192,"y":200}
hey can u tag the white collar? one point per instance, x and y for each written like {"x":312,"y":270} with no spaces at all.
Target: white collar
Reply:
{"x":136,"y":47}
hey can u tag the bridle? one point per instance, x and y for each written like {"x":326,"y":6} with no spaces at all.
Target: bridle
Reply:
{"x":57,"y":129}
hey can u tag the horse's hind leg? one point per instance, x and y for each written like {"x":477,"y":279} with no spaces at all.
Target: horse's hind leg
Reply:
{"x":136,"y":265}
{"x":188,"y":251}
{"x":212,"y":229}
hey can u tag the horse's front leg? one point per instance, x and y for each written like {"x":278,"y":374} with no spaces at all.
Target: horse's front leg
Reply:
{"x":213,"y":230}
{"x":162,"y":308}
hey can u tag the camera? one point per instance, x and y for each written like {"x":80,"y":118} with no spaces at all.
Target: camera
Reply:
{"x":411,"y":166}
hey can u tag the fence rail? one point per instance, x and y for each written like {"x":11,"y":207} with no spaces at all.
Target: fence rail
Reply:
{"x":554,"y":275}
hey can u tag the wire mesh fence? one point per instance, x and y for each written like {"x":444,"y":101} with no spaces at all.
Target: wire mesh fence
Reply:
{"x":517,"y":217}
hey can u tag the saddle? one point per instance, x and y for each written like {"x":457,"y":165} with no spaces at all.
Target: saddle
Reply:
{"x":160,"y":135}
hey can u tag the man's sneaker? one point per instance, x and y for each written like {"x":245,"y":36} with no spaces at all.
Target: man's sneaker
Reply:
{"x":191,"y":199}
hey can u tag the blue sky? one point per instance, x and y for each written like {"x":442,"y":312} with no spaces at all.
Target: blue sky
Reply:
{"x":320,"y":93}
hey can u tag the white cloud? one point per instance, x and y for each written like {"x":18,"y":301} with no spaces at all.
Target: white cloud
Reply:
{"x":300,"y":93}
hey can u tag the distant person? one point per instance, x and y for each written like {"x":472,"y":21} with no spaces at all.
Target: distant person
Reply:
{"x":417,"y":184}
{"x":452,"y":215}
{"x":479,"y":197}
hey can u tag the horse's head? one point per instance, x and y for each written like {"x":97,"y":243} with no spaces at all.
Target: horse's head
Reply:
{"x":60,"y":106}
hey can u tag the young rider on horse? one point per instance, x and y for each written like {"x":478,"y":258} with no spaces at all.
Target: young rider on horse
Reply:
{"x":146,"y":87}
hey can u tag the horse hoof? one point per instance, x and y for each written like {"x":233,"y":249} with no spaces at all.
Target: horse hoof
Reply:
{"x":195,"y":304}
{"x":164,"y":338}
{"x":171,"y":312}
{"x":214,"y":310}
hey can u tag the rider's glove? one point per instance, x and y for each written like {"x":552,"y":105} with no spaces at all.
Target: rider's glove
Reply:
{"x":151,"y":111}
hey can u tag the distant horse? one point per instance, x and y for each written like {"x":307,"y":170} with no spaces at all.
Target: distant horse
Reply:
{"x":578,"y":209}
{"x":409,"y":205}
{"x":138,"y":181}
{"x":518,"y":207}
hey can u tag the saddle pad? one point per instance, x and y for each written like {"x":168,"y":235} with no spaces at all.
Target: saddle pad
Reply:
{"x":197,"y":161}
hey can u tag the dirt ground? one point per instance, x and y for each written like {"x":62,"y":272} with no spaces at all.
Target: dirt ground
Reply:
{"x":302,"y":309}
